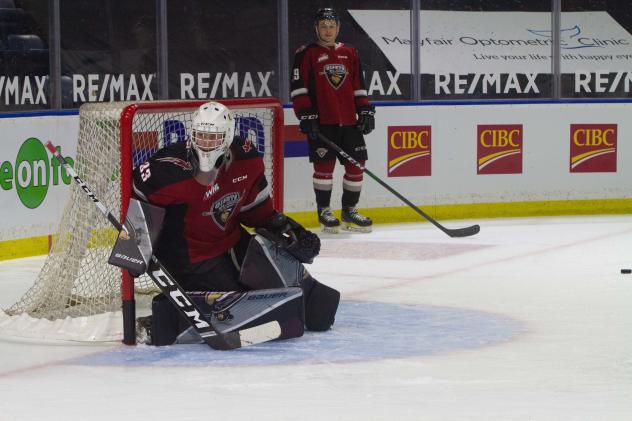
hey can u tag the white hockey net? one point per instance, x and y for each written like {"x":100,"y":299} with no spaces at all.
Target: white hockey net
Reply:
{"x":77,"y":295}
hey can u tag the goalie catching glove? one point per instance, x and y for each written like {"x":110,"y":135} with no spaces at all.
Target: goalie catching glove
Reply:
{"x":292,"y":237}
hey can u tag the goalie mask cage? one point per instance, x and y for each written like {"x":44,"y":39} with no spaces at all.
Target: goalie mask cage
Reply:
{"x":77,"y":295}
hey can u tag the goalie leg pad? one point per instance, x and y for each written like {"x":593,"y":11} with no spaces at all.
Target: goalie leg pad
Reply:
{"x":321,"y":305}
{"x":230,"y":311}
{"x":268,"y":266}
{"x":244,"y":310}
{"x":165,"y":321}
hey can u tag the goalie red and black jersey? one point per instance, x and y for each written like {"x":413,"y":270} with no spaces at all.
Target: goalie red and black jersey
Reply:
{"x":330,"y":80}
{"x":202,"y":222}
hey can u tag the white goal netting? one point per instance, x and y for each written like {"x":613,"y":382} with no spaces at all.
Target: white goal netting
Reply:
{"x":77,"y":295}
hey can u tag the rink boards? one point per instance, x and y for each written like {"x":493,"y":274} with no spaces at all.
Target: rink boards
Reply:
{"x":455,"y":160}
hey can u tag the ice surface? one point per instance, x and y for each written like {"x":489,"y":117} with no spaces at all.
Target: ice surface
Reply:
{"x":528,"y":320}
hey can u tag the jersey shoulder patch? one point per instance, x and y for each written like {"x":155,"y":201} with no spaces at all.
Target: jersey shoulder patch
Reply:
{"x":171,"y":162}
{"x":175,"y":154}
{"x":244,"y":148}
{"x":346,"y":46}
{"x":304,"y":50}
{"x":167,"y":166}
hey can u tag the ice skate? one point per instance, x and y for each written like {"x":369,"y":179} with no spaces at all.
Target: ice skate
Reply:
{"x":328,"y":222}
{"x":143,"y":330}
{"x":354,"y":221}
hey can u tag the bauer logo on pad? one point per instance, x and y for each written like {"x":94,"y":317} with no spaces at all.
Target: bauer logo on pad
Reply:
{"x":499,"y":149}
{"x":593,"y":148}
{"x":409,"y":151}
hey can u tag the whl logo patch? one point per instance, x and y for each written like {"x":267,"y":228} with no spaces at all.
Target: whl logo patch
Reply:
{"x":499,"y":149}
{"x":593,"y":148}
{"x":211,"y":192}
{"x":336,"y":74}
{"x":409,"y":151}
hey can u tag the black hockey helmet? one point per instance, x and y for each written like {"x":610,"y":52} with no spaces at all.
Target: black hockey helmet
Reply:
{"x":326,"y":13}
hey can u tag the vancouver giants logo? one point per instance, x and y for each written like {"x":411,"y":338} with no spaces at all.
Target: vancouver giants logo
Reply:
{"x":186,"y":165}
{"x":222,"y":209}
{"x":593,"y":148}
{"x":336,"y":74}
{"x":499,"y":149}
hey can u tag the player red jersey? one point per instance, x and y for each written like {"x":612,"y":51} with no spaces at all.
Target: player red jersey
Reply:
{"x":329,"y":79}
{"x":202,"y":222}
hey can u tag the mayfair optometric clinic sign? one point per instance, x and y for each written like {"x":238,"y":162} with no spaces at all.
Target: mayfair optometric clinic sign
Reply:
{"x":505,"y":52}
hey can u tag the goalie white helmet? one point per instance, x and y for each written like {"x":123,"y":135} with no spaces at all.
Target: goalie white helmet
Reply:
{"x":212,"y":132}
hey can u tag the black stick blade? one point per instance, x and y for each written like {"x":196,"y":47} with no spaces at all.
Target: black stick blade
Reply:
{"x":224,"y":342}
{"x":464,"y":232}
{"x":245,"y":337}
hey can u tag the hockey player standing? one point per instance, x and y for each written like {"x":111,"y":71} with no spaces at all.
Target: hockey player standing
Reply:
{"x":210,"y":186}
{"x":329,"y":96}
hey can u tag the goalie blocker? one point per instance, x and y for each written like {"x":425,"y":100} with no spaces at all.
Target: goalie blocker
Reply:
{"x":279,"y":288}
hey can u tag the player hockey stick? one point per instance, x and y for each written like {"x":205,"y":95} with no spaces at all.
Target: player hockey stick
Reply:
{"x":174,"y":292}
{"x":456,"y":232}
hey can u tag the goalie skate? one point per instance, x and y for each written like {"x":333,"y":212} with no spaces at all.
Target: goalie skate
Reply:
{"x":328,"y":222}
{"x":354,"y":221}
{"x":143,"y":330}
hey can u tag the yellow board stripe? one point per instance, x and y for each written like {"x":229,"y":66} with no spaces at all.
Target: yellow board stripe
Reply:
{"x":35,"y":246}
{"x":13,"y":249}
{"x":484,"y":210}
{"x":24,"y":247}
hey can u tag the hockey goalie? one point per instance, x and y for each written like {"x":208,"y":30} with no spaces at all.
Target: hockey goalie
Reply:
{"x":192,"y":201}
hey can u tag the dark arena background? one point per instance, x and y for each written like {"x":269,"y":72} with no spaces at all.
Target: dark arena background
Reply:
{"x":496,"y":282}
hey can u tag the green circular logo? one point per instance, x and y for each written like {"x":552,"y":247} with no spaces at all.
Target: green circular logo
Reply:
{"x":32,"y":170}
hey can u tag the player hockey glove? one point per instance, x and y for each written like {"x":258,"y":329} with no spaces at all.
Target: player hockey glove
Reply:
{"x":366,"y":119}
{"x":292,"y":237}
{"x":309,"y":122}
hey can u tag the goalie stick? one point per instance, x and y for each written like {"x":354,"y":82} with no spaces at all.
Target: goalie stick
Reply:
{"x":174,"y":292}
{"x":456,"y":232}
